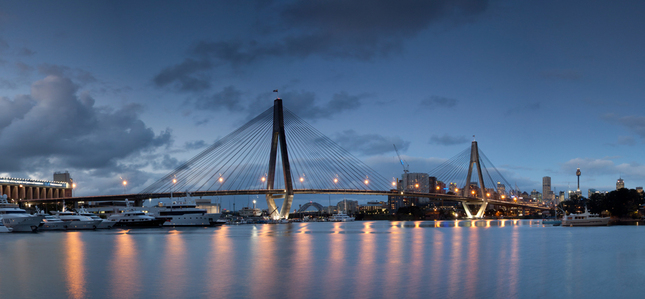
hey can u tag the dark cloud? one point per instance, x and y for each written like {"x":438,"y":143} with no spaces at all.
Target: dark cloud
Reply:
{"x":634,"y":123}
{"x":433,"y":102}
{"x":305,"y":104}
{"x":626,"y":140}
{"x":24,"y":69}
{"x":58,"y":124}
{"x":26,"y":52}
{"x":78,"y":75}
{"x":186,"y":76}
{"x":195,"y":145}
{"x":229,"y":98}
{"x":448,"y":140}
{"x":369,"y":144}
{"x":359,"y":30}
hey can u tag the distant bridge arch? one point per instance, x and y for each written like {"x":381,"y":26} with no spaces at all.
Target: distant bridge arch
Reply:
{"x":306,"y":206}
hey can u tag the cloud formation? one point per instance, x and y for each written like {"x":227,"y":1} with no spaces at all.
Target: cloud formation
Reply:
{"x":358,"y":30}
{"x":634,"y":123}
{"x":448,"y":140}
{"x":433,"y":102}
{"x":57,"y":126}
{"x":369,"y":144}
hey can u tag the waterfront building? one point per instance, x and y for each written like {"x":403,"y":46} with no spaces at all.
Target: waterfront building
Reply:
{"x":620,"y":184}
{"x":373,"y":206}
{"x":547,"y":194}
{"x":416,"y":182}
{"x":432,"y":183}
{"x":347,"y":205}
{"x":19,"y":188}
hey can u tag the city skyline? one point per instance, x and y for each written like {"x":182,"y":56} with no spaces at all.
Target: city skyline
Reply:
{"x":112,"y":90}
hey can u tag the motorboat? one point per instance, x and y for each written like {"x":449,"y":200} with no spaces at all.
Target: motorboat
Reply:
{"x":77,"y":222}
{"x":184,"y":213}
{"x":52,"y":223}
{"x":584,"y":219}
{"x":134,"y":218}
{"x":341,"y":217}
{"x":4,"y":229}
{"x":104,"y":223}
{"x":17,"y":219}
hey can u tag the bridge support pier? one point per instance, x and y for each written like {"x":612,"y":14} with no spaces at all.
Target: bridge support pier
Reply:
{"x":474,"y":159}
{"x":279,"y":138}
{"x":480,"y":212}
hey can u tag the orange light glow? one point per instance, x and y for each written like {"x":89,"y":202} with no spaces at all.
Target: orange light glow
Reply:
{"x":221,"y":179}
{"x":335,"y":180}
{"x":367,"y":182}
{"x":125,"y":183}
{"x":263,"y":179}
{"x":302,"y":180}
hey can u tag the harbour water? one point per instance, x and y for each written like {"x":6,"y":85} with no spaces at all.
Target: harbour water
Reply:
{"x":371,"y":259}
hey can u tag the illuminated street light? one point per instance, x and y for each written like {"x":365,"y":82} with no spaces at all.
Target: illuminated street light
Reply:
{"x":302,"y":179}
{"x":456,"y":189}
{"x":393,"y":183}
{"x":221,"y":179}
{"x":125,"y":183}
{"x":335,"y":180}
{"x":263,"y":179}
{"x":438,"y":187}
{"x":366,"y":181}
{"x":487,"y":194}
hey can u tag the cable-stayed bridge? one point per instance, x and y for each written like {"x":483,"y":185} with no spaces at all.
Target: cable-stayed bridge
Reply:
{"x":279,"y":155}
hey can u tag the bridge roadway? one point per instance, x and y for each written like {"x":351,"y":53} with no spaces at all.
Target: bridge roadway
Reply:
{"x":279,"y":193}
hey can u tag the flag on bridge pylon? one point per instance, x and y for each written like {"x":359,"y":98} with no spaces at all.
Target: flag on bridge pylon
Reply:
{"x":275,"y":90}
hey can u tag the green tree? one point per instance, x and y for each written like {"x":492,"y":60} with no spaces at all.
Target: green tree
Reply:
{"x":597,"y":203}
{"x":623,"y":202}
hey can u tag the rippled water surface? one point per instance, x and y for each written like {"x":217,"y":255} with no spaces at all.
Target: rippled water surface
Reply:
{"x":466,"y":259}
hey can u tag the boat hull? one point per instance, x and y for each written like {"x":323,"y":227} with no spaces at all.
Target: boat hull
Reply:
{"x":586,"y":222}
{"x":140,"y":224}
{"x":22,"y":224}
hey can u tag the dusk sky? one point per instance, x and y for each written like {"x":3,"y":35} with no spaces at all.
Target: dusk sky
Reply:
{"x":130,"y":89}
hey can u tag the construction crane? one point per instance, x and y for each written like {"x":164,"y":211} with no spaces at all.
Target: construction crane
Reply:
{"x":403,"y":163}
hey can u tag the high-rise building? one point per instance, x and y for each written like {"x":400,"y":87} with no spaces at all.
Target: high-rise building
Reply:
{"x":639,"y":190}
{"x":416,"y":182}
{"x":620,"y":184}
{"x":501,"y":188}
{"x":432,"y":183}
{"x":547,"y":194}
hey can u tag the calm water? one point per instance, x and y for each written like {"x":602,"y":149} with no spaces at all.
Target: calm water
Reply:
{"x":511,"y":259}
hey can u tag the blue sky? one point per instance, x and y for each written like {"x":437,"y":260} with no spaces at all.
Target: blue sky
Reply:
{"x":124,"y":89}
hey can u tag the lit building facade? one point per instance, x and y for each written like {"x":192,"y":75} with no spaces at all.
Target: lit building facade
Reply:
{"x":620,"y":184}
{"x":547,"y":194}
{"x":17,"y":188}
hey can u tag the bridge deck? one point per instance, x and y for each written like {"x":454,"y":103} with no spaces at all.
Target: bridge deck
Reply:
{"x":432,"y":196}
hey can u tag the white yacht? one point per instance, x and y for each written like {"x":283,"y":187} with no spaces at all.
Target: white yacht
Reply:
{"x":184,"y":213}
{"x":584,"y":219}
{"x":77,"y":222}
{"x":4,"y":229}
{"x":341,"y":217}
{"x":134,"y":218}
{"x":53,"y":223}
{"x":105,"y":223}
{"x":17,"y":219}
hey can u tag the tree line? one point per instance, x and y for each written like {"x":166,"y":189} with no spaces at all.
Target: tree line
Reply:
{"x":621,"y":203}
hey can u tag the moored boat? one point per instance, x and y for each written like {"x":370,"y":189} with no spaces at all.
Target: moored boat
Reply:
{"x":584,"y":219}
{"x":135,"y":218}
{"x":17,"y":219}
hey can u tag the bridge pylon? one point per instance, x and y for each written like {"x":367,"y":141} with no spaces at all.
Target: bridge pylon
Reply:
{"x":474,"y":159}
{"x":278,"y":138}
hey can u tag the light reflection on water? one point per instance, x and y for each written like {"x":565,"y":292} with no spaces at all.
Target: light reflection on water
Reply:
{"x":75,"y":265}
{"x":461,"y":259}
